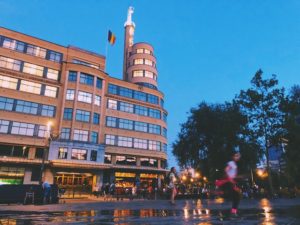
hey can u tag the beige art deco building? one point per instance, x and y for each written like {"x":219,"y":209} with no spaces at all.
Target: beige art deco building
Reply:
{"x":62,"y":114}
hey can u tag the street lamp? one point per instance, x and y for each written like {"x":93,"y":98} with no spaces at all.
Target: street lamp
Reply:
{"x":47,"y":137}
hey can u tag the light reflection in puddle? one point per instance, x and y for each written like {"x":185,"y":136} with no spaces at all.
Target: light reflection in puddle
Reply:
{"x":269,"y":218}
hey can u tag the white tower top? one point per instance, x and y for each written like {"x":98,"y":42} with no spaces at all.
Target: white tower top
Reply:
{"x":129,"y":21}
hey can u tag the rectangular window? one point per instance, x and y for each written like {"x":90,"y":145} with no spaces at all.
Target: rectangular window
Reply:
{"x":138,"y":73}
{"x":30,"y":87}
{"x":144,"y":161}
{"x":138,"y":62}
{"x":154,"y":129}
{"x":8,"y":82}
{"x":140,"y":143}
{"x":79,"y":154}
{"x":52,"y":74}
{"x":164,"y":133}
{"x":82,"y":115}
{"x":50,"y":91}
{"x":165,"y":147}
{"x":99,"y":83}
{"x":153,"y":163}
{"x":149,"y":74}
{"x":81,"y":135}
{"x":6,"y":103}
{"x":36,"y":51}
{"x":26,"y":107}
{"x":107,"y":159}
{"x":165,"y":117}
{"x":39,"y":153}
{"x":140,"y":96}
{"x":126,"y":124}
{"x":140,"y":50}
{"x":154,"y":145}
{"x":97,"y":100}
{"x":125,"y":142}
{"x":96,"y":118}
{"x":9,"y":63}
{"x":86,"y":79}
{"x":162,"y":102}
{"x":55,"y":56}
{"x":154,"y":113}
{"x":140,"y":126}
{"x":110,"y":139}
{"x":70,"y":94}
{"x":152,"y":99}
{"x":62,"y":153}
{"x":121,"y":160}
{"x":65,"y":133}
{"x":112,"y":89}
{"x":68,"y":114}
{"x":111,"y":121}
{"x":4,"y":126}
{"x":72,"y":76}
{"x":94,"y":155}
{"x":125,"y":92}
{"x":13,"y":44}
{"x":112,"y":104}
{"x":94,"y":137}
{"x":141,"y":110}
{"x":148,"y":62}
{"x":84,"y":97}
{"x":33,"y":69}
{"x":42,"y":131}
{"x":126,"y":107}
{"x":146,"y":51}
{"x":48,"y":110}
{"x":22,"y":128}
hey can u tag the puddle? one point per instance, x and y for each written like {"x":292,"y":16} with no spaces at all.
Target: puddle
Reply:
{"x":264,"y":216}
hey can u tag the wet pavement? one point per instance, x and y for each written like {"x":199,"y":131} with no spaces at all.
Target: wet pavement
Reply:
{"x":200,"y":212}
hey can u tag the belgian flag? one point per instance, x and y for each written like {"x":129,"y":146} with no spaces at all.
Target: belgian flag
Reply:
{"x":111,"y":38}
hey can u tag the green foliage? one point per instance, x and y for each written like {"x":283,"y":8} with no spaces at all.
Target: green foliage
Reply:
{"x":291,"y":107}
{"x":210,"y":136}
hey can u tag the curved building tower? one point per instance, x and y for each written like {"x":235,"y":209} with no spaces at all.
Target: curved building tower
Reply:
{"x":139,"y":61}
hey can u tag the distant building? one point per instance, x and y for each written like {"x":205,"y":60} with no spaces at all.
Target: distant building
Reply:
{"x":102,"y":128}
{"x":276,"y":157}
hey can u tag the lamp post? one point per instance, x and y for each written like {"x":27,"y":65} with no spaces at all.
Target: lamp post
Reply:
{"x":47,"y":137}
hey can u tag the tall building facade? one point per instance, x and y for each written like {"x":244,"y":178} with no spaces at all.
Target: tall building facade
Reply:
{"x":63,"y":117}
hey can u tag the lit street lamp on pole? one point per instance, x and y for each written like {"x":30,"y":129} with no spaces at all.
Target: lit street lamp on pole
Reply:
{"x":47,"y":137}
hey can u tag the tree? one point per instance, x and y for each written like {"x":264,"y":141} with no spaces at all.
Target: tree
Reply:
{"x":260,"y":104}
{"x":210,"y":135}
{"x":291,"y":107}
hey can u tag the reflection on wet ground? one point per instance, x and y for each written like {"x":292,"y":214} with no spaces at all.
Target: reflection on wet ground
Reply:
{"x":264,"y":215}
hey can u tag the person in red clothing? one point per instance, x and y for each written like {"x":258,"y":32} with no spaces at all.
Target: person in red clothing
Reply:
{"x":228,"y":184}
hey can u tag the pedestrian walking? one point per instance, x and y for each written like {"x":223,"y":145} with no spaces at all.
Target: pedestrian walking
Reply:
{"x":46,"y":191}
{"x":229,"y":183}
{"x":172,"y":178}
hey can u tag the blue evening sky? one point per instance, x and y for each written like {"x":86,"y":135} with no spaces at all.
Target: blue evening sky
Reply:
{"x":206,"y":50}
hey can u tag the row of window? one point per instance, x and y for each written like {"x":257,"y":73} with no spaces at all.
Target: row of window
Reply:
{"x":81,"y":115}
{"x":29,"y":68}
{"x":19,"y":151}
{"x":131,"y":160}
{"x":30,"y":49}
{"x":28,"y":86}
{"x":129,"y":93}
{"x":79,"y":135}
{"x":19,"y":128}
{"x":135,"y":125}
{"x":143,"y":62}
{"x":144,"y":50}
{"x":85,"y":79}
{"x":144,"y":73}
{"x":130,"y":142}
{"x":77,"y":154}
{"x":17,"y":105}
{"x":132,"y":108}
{"x":148,"y":85}
{"x":82,"y":96}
